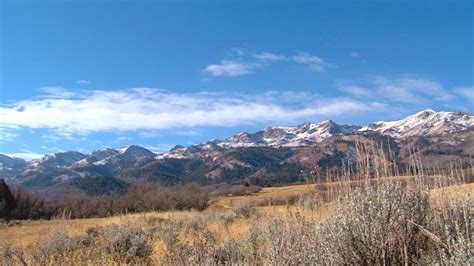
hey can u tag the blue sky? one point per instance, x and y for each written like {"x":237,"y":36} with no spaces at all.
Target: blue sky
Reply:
{"x":84,"y":75}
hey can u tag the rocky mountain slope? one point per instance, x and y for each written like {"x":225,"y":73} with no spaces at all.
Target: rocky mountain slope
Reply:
{"x":427,"y":123}
{"x":273,"y":155}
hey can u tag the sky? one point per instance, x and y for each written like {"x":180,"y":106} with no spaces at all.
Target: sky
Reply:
{"x":86,"y":75}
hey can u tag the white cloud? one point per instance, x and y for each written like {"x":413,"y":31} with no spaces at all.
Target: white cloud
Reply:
{"x":83,"y":81}
{"x":466,"y":92}
{"x":315,"y":63}
{"x":7,"y":133}
{"x":151,"y":110}
{"x":190,"y":132}
{"x":265,"y":56}
{"x":403,"y":90}
{"x":356,"y":90}
{"x":245,"y":64}
{"x":24,"y":155}
{"x":230,"y":68}
{"x":123,"y":138}
{"x":56,"y":92}
{"x":51,"y":149}
{"x":305,"y":58}
{"x":150,"y":134}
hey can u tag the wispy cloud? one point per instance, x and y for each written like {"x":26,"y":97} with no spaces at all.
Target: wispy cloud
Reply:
{"x":402,"y":90}
{"x":266,"y":56}
{"x":190,"y":132}
{"x":315,"y":63}
{"x":467,"y":92}
{"x":27,"y":155}
{"x":244,"y":64}
{"x":51,"y":149}
{"x":7,"y":133}
{"x":230,"y":68}
{"x":150,"y":134}
{"x":56,"y":92}
{"x":83,"y":81}
{"x":122,"y":139}
{"x":152,"y":110}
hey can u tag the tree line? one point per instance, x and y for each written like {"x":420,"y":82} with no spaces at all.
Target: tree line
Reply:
{"x":141,"y":197}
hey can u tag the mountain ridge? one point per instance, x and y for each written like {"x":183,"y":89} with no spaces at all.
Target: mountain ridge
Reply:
{"x":246,"y":155}
{"x":317,"y":132}
{"x":323,"y":129}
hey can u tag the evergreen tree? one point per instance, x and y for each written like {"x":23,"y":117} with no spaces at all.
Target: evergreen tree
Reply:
{"x":7,"y":202}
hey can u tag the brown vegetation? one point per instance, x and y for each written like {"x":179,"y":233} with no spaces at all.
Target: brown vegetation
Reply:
{"x":367,"y":217}
{"x":141,"y":197}
{"x":388,"y":224}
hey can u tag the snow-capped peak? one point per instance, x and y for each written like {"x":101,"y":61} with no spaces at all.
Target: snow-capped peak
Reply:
{"x":135,"y":151}
{"x":57,"y":160}
{"x":123,"y":149}
{"x":272,"y":136}
{"x":425,"y":123}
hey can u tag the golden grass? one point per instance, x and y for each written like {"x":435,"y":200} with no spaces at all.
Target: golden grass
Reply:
{"x":463,"y":190}
{"x":265,"y":195}
{"x":269,"y":195}
{"x":237,"y":230}
{"x":27,"y":235}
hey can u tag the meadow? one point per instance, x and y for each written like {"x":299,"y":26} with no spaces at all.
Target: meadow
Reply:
{"x":408,"y":219}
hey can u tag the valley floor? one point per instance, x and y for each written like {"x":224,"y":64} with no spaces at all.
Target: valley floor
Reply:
{"x":229,"y":220}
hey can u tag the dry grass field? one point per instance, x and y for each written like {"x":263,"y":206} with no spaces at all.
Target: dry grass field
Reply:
{"x":283,"y":195}
{"x":230,"y":222}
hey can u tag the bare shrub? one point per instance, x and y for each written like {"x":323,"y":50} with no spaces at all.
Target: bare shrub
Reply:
{"x":384,"y":224}
{"x":450,"y":234}
{"x":114,"y":243}
{"x":176,"y":251}
{"x":128,"y":243}
{"x":195,"y":249}
{"x":244,"y":210}
{"x":375,"y":226}
{"x":59,"y":247}
{"x":10,"y":256}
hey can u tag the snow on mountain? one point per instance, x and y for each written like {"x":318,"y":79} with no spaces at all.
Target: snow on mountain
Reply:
{"x":96,"y":156}
{"x":128,"y":153}
{"x":123,"y":149}
{"x":135,"y":151}
{"x":424,"y":123}
{"x":57,"y":160}
{"x":244,"y":139}
{"x":10,"y":165}
{"x":307,"y":134}
{"x":74,"y":160}
{"x":278,"y":136}
{"x":274,"y":136}
{"x":7,"y":162}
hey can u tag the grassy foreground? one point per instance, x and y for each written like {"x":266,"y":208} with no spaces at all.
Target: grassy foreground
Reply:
{"x":395,"y":221}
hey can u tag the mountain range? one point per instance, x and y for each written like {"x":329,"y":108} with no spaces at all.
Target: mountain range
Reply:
{"x":273,"y":155}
